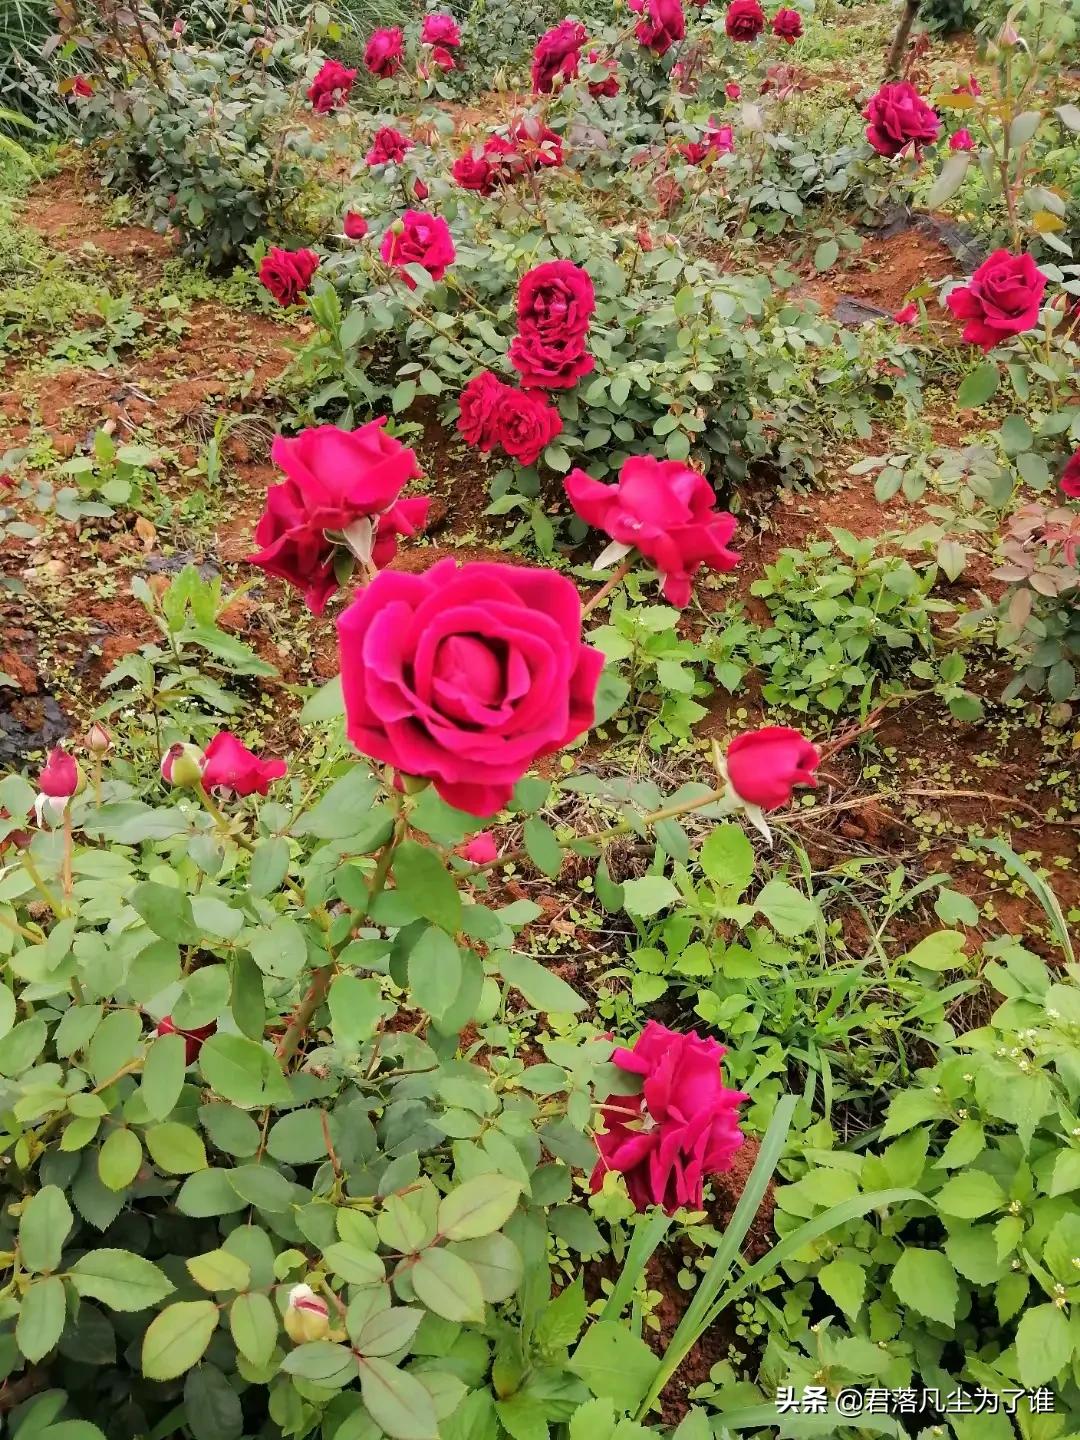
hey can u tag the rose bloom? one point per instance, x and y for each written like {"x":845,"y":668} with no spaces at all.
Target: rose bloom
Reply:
{"x":496,"y":163}
{"x":288,"y":273}
{"x":538,"y":145}
{"x":419,"y":239}
{"x":480,"y":850}
{"x":961,"y":140}
{"x":382,"y":54}
{"x":443,"y":58}
{"x":330,"y":88}
{"x":440,"y":29}
{"x":522,"y":422}
{"x":717,"y":140}
{"x":557,"y":55}
{"x":555,"y":304}
{"x":1070,"y":478}
{"x":787,"y":25}
{"x":1001,"y":299}
{"x":908,"y":315}
{"x":467,"y":675}
{"x":682,"y":1128}
{"x":193,"y":1039}
{"x":732,"y":91}
{"x":744,"y":21}
{"x":335,"y":480}
{"x":900,"y":117}
{"x":388,"y":147}
{"x":354,"y":225}
{"x":228,"y":765}
{"x":664,"y":27}
{"x":664,"y":510}
{"x":610,"y":84}
{"x":764,"y":766}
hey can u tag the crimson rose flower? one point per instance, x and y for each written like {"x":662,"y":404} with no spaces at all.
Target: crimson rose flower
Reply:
{"x":440,"y":29}
{"x":764,"y":766}
{"x":355,"y":226}
{"x":961,"y":140}
{"x":330,"y":88}
{"x":443,"y":58}
{"x":907,"y":315}
{"x":745,"y":20}
{"x":732,"y":91}
{"x":557,"y":55}
{"x":787,"y":24}
{"x":478,"y":403}
{"x":193,"y":1038}
{"x":522,"y":422}
{"x":339,"y":483}
{"x":288,"y":273}
{"x":229,"y":765}
{"x":899,"y":117}
{"x":59,"y":777}
{"x":717,"y":140}
{"x":388,"y":147}
{"x":466,"y":676}
{"x":683,"y":1127}
{"x":382,"y":54}
{"x":498,"y":162}
{"x":666,"y":511}
{"x":555,"y":304}
{"x":419,"y":239}
{"x":666,"y":24}
{"x":1001,"y":299}
{"x":81,"y":87}
{"x":1070,"y":478}
{"x":610,"y":83}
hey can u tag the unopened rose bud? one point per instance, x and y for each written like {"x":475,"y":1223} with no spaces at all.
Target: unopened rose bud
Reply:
{"x":98,"y":739}
{"x":1009,"y":36}
{"x":307,"y":1317}
{"x":61,"y":776}
{"x":182,"y":766}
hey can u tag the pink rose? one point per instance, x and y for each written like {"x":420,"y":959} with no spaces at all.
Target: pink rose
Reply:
{"x":230,"y":766}
{"x":1070,"y":478}
{"x":382,"y":54}
{"x":419,"y":239}
{"x":288,"y":273}
{"x":732,"y":91}
{"x":1001,"y":299}
{"x":59,"y":777}
{"x":717,"y":140}
{"x":744,"y":20}
{"x":900,"y":117}
{"x":440,"y":29}
{"x":610,"y":84}
{"x":555,"y":304}
{"x":467,"y":675}
{"x":522,"y":422}
{"x":339,"y":483}
{"x":664,"y":510}
{"x":331,"y":86}
{"x":764,"y":766}
{"x":480,"y":850}
{"x":193,"y":1039}
{"x":388,"y":147}
{"x":557,"y":55}
{"x":683,"y":1127}
{"x":787,"y":25}
{"x":908,"y":315}
{"x":961,"y":140}
{"x":355,"y":226}
{"x":664,"y":27}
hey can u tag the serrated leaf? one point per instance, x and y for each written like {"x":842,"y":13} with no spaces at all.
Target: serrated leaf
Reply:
{"x":219,"y":1270}
{"x":925,"y":1282}
{"x":478,"y":1207}
{"x":397,"y":1402}
{"x":44,"y":1225}
{"x":119,"y":1279}
{"x":119,"y":1159}
{"x":447,"y":1285}
{"x":41,"y":1318}
{"x":177,"y":1338}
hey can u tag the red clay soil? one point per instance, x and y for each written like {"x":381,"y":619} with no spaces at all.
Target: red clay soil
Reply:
{"x":886,"y":271}
{"x":65,"y":210}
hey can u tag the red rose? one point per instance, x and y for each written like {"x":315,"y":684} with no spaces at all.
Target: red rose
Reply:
{"x":338,"y":483}
{"x":1001,"y":299}
{"x":382,"y":54}
{"x":420,"y":190}
{"x":610,"y":83}
{"x":732,"y":91}
{"x":787,"y":24}
{"x":440,"y":29}
{"x":764,"y":766}
{"x":193,"y":1039}
{"x":60,"y":776}
{"x":899,"y":117}
{"x":522,"y":422}
{"x":478,"y":403}
{"x":355,"y":226}
{"x":443,"y":58}
{"x":330,"y":88}
{"x":1070,"y":478}
{"x":683,"y":1127}
{"x":419,"y":239}
{"x":230,"y":766}
{"x":555,"y":304}
{"x":961,"y":140}
{"x":466,"y":676}
{"x":480,"y":850}
{"x":745,"y":20}
{"x":498,"y":162}
{"x":664,"y":510}
{"x":666,"y":24}
{"x":81,"y":87}
{"x":388,"y":147}
{"x":557,"y":55}
{"x":538,"y":146}
{"x":288,"y":273}
{"x":908,"y":315}
{"x":717,"y":140}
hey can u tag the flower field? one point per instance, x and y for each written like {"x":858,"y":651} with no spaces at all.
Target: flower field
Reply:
{"x":539,"y":776}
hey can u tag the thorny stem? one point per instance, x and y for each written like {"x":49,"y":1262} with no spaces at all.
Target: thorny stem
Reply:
{"x":605,"y":590}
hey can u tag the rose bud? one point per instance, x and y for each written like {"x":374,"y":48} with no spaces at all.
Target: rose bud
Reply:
{"x":98,"y":739}
{"x":307,"y":1317}
{"x":764,"y":766}
{"x":480,"y":850}
{"x":356,"y":227}
{"x":193,"y":1038}
{"x":182,"y":766}
{"x":61,"y":776}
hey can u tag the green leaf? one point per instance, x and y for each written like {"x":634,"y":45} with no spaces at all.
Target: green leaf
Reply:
{"x":925,"y":1282}
{"x":478,"y":1207}
{"x":44,"y":1225}
{"x":944,"y":950}
{"x":542,"y":847}
{"x":177,"y":1338}
{"x":212,"y":1409}
{"x":254,"y":1325}
{"x":826,"y":255}
{"x":788,"y":910}
{"x":560,"y":1324}
{"x":727,"y":858}
{"x":977,"y":387}
{"x":426,"y":884}
{"x":322,"y":1362}
{"x":970,"y":1195}
{"x":270,"y":858}
{"x":262,"y":1185}
{"x":242,"y":1071}
{"x":41,"y":1318}
{"x":950,"y":178}
{"x":1043,"y":1344}
{"x":541,"y":988}
{"x":614,"y":1363}
{"x":219,"y":1270}
{"x":175,"y":1148}
{"x":119,"y":1159}
{"x":387,"y":1331}
{"x":354,"y":1265}
{"x":119,"y":1279}
{"x":21,"y":1046}
{"x":166,"y":910}
{"x":356,"y":1007}
{"x":397,"y":1402}
{"x":163,"y":1075}
{"x":648,"y":895}
{"x":447,"y":1285}
{"x":434,"y":969}
{"x":299,"y":1138}
{"x":497,"y":1263}
{"x":844,"y":1282}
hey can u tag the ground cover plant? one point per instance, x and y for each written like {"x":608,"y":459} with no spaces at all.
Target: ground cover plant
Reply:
{"x":538,"y":756}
